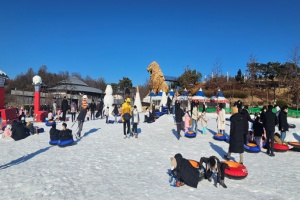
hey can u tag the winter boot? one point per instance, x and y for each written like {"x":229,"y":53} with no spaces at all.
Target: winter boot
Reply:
{"x":222,"y":183}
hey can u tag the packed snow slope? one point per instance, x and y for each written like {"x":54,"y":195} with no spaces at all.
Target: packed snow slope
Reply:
{"x":104,"y":165}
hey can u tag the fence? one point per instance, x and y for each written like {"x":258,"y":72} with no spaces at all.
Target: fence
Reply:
{"x":291,"y":113}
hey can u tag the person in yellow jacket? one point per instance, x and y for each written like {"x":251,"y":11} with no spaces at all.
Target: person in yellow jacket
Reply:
{"x":126,"y":116}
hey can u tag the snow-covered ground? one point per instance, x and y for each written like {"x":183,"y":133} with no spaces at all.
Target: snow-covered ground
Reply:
{"x":104,"y":165}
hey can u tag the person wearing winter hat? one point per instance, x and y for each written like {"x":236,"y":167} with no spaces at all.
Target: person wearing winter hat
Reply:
{"x":236,"y":143}
{"x":126,"y":116}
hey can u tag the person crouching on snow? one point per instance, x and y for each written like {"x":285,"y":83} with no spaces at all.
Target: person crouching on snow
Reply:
{"x":213,"y":165}
{"x":184,"y":171}
{"x":135,"y":121}
{"x":65,"y":134}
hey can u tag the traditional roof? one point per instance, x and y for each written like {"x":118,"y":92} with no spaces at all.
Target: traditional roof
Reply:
{"x":75,"y":84}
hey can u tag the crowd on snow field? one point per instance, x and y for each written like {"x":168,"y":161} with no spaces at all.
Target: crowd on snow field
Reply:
{"x":243,"y":129}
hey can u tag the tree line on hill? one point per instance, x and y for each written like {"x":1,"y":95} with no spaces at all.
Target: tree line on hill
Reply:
{"x":268,"y":81}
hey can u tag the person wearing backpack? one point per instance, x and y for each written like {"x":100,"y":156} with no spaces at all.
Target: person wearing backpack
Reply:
{"x":126,"y":116}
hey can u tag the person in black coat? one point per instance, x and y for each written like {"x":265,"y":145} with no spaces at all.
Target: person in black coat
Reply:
{"x":258,"y":131}
{"x":184,"y":171}
{"x":100,"y":109}
{"x":54,"y":133}
{"x":236,"y":143}
{"x":178,"y":119}
{"x":269,"y":122}
{"x":64,"y":108}
{"x":19,"y":131}
{"x":80,"y":119}
{"x":65,"y":134}
{"x":283,"y":125}
{"x":213,"y":165}
{"x":246,"y":118}
{"x":93,"y":108}
{"x":169,"y":101}
{"x":262,"y":113}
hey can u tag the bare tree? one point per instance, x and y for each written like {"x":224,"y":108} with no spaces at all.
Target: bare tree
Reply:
{"x":294,"y":78}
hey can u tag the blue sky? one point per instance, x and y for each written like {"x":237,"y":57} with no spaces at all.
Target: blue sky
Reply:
{"x":120,"y":38}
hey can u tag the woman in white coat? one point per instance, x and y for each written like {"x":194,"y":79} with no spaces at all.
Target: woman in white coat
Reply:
{"x":221,"y":119}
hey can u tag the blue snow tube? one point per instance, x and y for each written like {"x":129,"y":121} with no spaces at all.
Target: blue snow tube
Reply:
{"x":190,"y":134}
{"x":227,"y":139}
{"x":65,"y":143}
{"x":219,"y":137}
{"x":40,"y":130}
{"x":53,"y":142}
{"x":111,"y":121}
{"x":50,"y":123}
{"x":252,"y":148}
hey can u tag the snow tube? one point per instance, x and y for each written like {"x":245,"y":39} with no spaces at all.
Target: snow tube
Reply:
{"x":219,"y":137}
{"x":227,"y":139}
{"x":194,"y":163}
{"x":50,"y":123}
{"x":292,"y":126}
{"x":111,"y":121}
{"x":40,"y":130}
{"x":295,"y":145}
{"x":236,"y":170}
{"x":53,"y":142}
{"x":252,"y":148}
{"x":190,"y":134}
{"x":280,"y":147}
{"x":65,"y":142}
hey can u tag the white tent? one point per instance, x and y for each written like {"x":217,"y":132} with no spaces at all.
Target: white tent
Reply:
{"x":199,"y":96}
{"x":137,"y":100}
{"x":149,"y":98}
{"x":219,"y":98}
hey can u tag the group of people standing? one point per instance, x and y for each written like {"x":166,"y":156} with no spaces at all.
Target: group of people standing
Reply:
{"x":191,"y":118}
{"x":263,"y":126}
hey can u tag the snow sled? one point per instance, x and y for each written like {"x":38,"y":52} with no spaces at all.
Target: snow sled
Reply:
{"x":280,"y":147}
{"x":65,"y":143}
{"x":219,"y":137}
{"x":50,"y":123}
{"x":190,"y":134}
{"x":295,"y":146}
{"x":292,"y":126}
{"x":53,"y":142}
{"x":252,"y":148}
{"x":40,"y":130}
{"x":236,"y":170}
